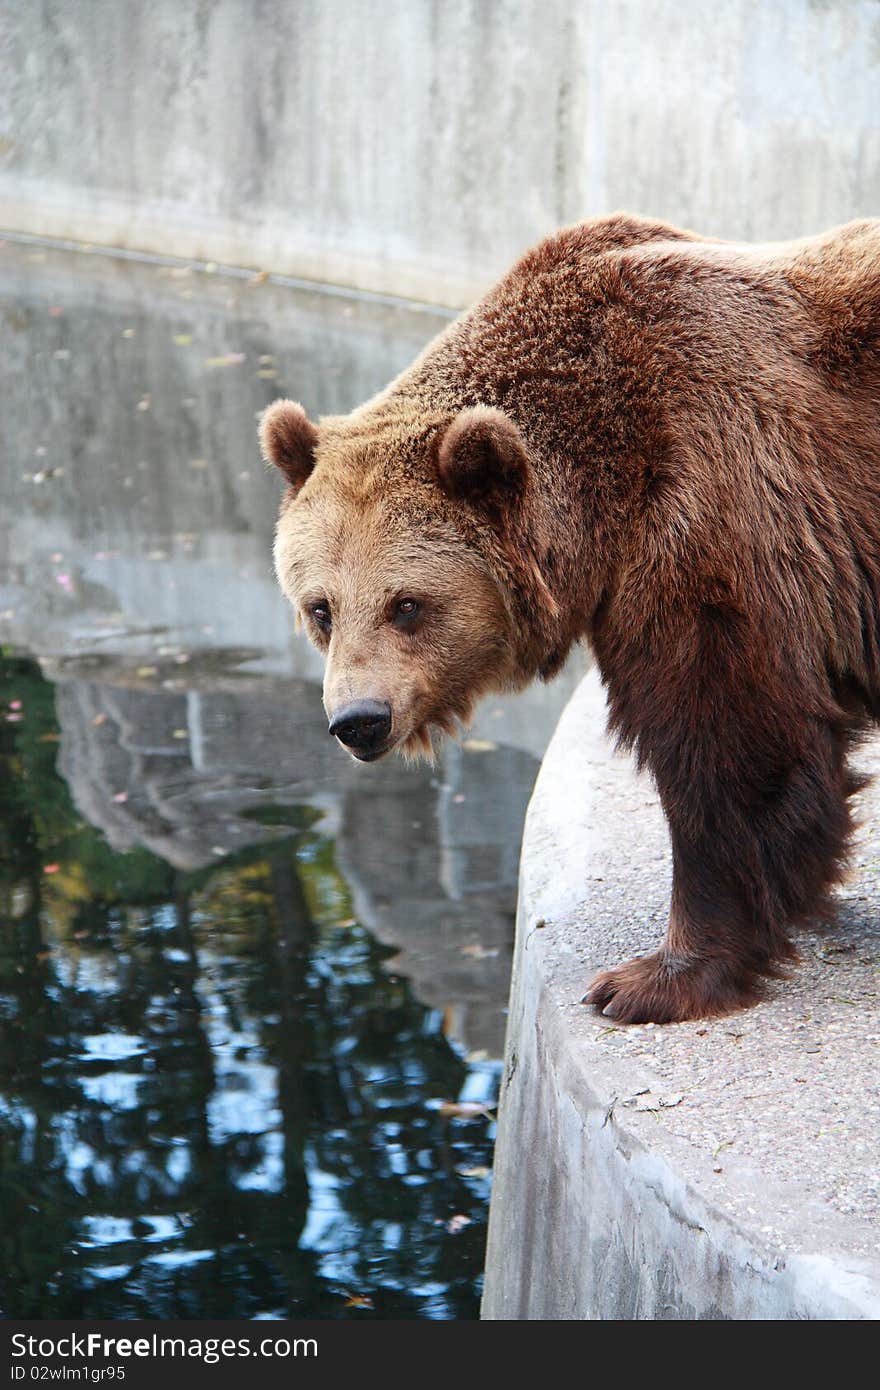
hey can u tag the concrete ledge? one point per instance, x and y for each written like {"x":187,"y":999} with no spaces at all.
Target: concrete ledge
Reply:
{"x":98,"y":219}
{"x":723,"y":1169}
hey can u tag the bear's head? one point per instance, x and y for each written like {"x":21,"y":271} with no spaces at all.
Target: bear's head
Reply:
{"x":405,"y":548}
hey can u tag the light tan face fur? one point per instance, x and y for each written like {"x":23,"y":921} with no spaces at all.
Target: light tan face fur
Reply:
{"x":347,"y":564}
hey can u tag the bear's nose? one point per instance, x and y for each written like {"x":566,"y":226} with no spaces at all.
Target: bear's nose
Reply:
{"x":363,"y":725}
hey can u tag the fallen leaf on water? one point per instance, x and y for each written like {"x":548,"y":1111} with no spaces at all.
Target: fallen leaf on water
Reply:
{"x":465,"y":1110}
{"x":227,"y":359}
{"x":358,"y":1300}
{"x":457,"y":1223}
{"x":478,"y":1172}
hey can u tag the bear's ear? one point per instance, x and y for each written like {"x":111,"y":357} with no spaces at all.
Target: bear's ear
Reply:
{"x":288,"y":439}
{"x":482,"y":459}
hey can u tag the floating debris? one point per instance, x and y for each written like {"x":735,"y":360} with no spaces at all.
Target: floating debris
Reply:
{"x":465,"y":1110}
{"x":457,"y":1223}
{"x":227,"y":359}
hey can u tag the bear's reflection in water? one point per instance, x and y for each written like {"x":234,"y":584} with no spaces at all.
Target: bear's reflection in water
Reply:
{"x":430,"y":855}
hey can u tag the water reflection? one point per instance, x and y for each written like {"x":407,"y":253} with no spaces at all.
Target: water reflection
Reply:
{"x":238,"y":974}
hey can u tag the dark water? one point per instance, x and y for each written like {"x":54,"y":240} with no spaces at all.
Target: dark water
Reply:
{"x":251,"y":995}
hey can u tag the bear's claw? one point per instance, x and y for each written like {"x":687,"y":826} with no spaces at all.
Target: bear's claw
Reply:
{"x":662,"y":988}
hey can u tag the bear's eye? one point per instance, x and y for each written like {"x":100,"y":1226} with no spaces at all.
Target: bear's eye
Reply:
{"x":321,"y":614}
{"x":406,"y":614}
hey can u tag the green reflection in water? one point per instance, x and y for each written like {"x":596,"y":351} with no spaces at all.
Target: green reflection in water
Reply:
{"x":214,"y":1101}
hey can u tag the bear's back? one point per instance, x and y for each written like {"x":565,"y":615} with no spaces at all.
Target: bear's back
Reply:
{"x":822,"y":291}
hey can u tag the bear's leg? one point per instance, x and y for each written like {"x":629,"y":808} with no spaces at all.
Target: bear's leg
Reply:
{"x":710,"y":962}
{"x":759,"y":834}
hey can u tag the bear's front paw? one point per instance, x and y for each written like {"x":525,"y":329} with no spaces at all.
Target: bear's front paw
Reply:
{"x":663,"y":988}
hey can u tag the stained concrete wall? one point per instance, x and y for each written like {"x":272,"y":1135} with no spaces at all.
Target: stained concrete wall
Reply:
{"x":721,"y":1169}
{"x":416,"y":146}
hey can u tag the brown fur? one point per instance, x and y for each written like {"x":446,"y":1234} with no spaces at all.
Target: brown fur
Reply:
{"x":668,"y":446}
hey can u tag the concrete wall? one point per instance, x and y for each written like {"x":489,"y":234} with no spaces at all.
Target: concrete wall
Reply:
{"x":416,"y":146}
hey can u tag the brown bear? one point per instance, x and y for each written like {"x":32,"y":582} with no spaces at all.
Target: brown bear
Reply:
{"x":669,"y":446}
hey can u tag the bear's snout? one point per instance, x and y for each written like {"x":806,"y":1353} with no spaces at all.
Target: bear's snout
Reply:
{"x":363,"y":726}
